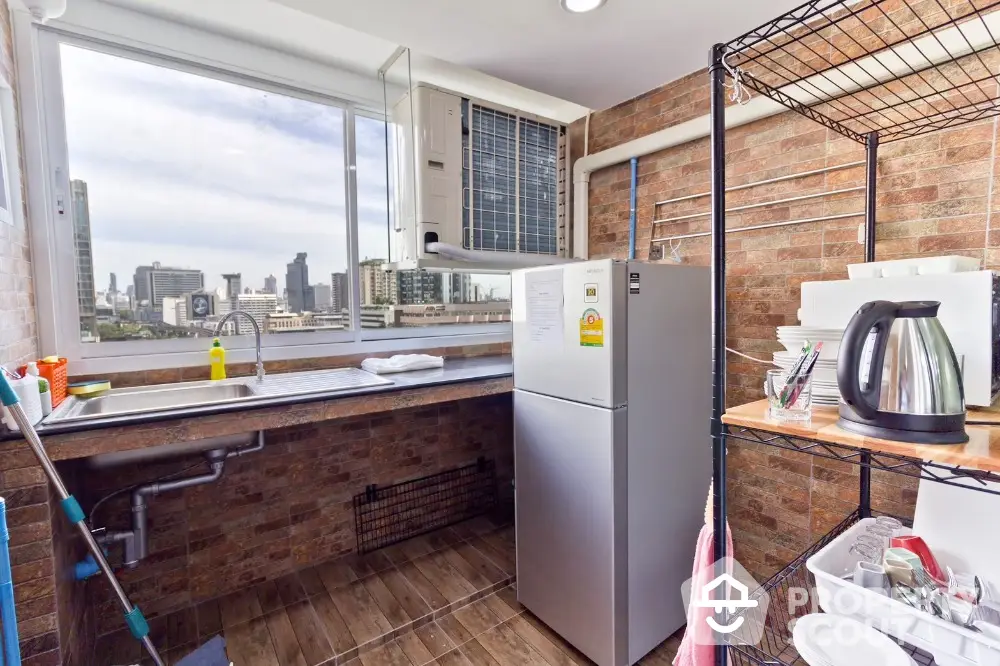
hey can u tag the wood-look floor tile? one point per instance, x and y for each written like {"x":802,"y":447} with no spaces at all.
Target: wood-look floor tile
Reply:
{"x":404,"y":593}
{"x":389,"y":654}
{"x":360,"y":612}
{"x":500,"y":557}
{"x":499,"y":607}
{"x":448,"y":581}
{"x":478,"y":655}
{"x":286,"y":646}
{"x":335,"y":574}
{"x":414,"y":649}
{"x":337,"y":631}
{"x":454,"y":629}
{"x":453,"y":658}
{"x":508,"y":648}
{"x":290,"y":589}
{"x":464,"y":568}
{"x":239,"y":607}
{"x":249,"y":644}
{"x":366,"y":565}
{"x":442,"y":538}
{"x":424,"y":587}
{"x":414,"y":548}
{"x":209,"y":619}
{"x":474,"y":527}
{"x":311,"y":581}
{"x":182,"y":628}
{"x":397,"y":553}
{"x":387,"y":603}
{"x":267,"y":595}
{"x":575,"y":655}
{"x":487,"y":572}
{"x":550,"y":651}
{"x":509,"y":597}
{"x":476,"y":617}
{"x":434,"y":638}
{"x":309,"y":631}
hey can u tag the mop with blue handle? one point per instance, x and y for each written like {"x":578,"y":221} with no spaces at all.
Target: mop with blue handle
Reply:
{"x":11,"y":647}
{"x":133,"y":616}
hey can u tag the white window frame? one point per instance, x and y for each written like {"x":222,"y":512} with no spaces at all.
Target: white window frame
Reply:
{"x":52,"y":243}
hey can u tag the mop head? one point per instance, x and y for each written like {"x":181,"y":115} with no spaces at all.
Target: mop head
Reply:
{"x":212,"y":653}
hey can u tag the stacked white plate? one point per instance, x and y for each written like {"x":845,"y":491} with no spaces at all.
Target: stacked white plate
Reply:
{"x":833,"y":640}
{"x":824,"y":382}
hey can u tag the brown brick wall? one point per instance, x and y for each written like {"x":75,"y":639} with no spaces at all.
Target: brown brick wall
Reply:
{"x":288,"y":506}
{"x":934,"y":198}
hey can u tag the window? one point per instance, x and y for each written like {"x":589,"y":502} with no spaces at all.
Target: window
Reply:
{"x":177,"y":193}
{"x":410,"y":298}
{"x":192,"y":196}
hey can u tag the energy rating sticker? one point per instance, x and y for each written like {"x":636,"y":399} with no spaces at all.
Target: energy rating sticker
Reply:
{"x":591,"y":329}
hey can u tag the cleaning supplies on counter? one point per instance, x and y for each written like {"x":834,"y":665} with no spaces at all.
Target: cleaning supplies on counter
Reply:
{"x":26,"y":388}
{"x":217,"y":360}
{"x":90,"y":388}
{"x":401,"y":363}
{"x":54,"y":369}
{"x":45,"y":394}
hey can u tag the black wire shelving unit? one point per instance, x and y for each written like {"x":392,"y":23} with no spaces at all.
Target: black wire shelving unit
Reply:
{"x":875,"y":71}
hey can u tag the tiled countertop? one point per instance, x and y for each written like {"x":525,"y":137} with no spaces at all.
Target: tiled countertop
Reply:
{"x":457,"y":380}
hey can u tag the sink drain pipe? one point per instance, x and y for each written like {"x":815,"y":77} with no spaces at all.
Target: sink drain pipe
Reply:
{"x":136,"y":541}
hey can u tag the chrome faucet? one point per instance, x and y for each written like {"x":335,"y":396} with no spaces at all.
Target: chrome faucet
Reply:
{"x":256,"y":331}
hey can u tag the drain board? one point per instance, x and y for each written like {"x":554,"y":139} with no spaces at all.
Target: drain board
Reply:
{"x":321,"y":381}
{"x":384,"y":515}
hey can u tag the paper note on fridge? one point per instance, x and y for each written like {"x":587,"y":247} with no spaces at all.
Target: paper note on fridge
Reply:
{"x":544,"y":296}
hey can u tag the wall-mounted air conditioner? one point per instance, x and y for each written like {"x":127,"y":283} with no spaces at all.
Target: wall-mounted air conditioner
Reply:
{"x":477,"y":186}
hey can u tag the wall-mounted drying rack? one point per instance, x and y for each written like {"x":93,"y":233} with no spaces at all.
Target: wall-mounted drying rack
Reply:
{"x":762,"y":204}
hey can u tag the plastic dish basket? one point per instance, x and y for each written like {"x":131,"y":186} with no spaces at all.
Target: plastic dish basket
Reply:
{"x":950,"y":644}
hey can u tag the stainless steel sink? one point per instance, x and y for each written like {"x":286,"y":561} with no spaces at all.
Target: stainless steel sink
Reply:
{"x":117,"y":402}
{"x":151,"y":399}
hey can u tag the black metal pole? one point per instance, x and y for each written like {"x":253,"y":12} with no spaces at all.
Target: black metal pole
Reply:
{"x":718,"y":101}
{"x":871,"y":175}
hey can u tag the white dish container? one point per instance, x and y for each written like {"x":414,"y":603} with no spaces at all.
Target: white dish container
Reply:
{"x":950,"y":644}
{"x":921,"y":266}
{"x":828,"y":353}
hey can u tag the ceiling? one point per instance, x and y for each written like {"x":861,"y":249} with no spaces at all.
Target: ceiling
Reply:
{"x":530,"y":54}
{"x":596,"y":59}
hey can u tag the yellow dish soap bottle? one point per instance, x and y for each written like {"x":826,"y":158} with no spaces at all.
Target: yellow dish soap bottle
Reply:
{"x":217,"y":360}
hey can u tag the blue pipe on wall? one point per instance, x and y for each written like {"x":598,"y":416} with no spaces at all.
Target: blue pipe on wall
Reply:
{"x":11,"y":647}
{"x":631,"y":211}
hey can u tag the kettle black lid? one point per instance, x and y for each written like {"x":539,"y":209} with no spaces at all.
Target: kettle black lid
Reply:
{"x":917,"y":309}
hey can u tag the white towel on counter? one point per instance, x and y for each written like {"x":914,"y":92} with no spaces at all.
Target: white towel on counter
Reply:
{"x":401,"y":363}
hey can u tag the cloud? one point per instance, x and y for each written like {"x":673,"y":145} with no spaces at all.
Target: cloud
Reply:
{"x":200,"y":173}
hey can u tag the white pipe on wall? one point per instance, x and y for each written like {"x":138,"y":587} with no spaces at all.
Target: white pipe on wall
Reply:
{"x":696,"y":128}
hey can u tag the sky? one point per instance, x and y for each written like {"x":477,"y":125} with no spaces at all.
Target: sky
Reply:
{"x":199,"y":173}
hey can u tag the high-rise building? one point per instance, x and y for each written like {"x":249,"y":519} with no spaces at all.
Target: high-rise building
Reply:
{"x":458,"y":288}
{"x":257,"y":306}
{"x":175,"y":310}
{"x":300,"y":294}
{"x":271,"y":285}
{"x":339,"y":299}
{"x":113,"y":284}
{"x":84,"y":258}
{"x":378,"y":285}
{"x":234,"y":284}
{"x":420,"y":288}
{"x":154,"y":282}
{"x":323,"y":295}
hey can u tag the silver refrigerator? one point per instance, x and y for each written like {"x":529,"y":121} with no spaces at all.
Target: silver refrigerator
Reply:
{"x":612,"y":399}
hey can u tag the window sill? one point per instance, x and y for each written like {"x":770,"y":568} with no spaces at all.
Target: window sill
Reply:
{"x":193,"y":359}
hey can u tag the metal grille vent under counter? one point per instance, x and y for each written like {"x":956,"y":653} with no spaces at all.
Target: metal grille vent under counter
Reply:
{"x":166,"y":397}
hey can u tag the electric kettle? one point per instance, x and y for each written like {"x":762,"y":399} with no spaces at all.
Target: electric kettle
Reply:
{"x":899,"y":377}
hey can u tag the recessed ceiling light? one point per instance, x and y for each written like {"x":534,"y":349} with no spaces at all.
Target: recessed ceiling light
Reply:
{"x":580,"y":6}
